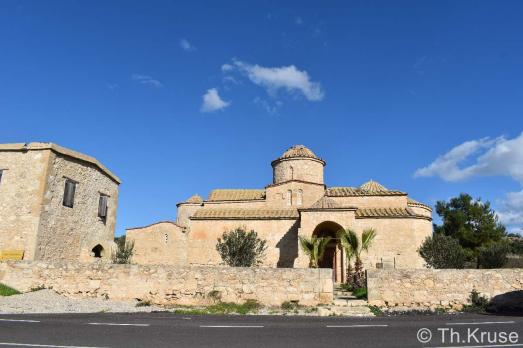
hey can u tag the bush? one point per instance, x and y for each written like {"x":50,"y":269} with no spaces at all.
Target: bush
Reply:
{"x":7,"y":291}
{"x":239,"y":248}
{"x":494,"y":255}
{"x":360,"y":293}
{"x":440,"y":251}
{"x":124,"y":251}
{"x":478,"y":303}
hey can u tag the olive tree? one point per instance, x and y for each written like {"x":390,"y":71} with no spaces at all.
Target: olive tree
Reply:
{"x":239,"y":248}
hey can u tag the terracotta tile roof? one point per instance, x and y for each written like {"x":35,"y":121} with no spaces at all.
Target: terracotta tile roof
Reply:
{"x":373,"y":186}
{"x":298,"y":151}
{"x":357,"y":191}
{"x":413,"y":203}
{"x":325,"y":203}
{"x":387,"y":213}
{"x":194,"y":199}
{"x":236,"y":195}
{"x":245,"y":214}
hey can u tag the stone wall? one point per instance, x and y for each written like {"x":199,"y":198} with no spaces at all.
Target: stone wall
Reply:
{"x":172,"y":285}
{"x":442,"y":287}
{"x":70,"y":233}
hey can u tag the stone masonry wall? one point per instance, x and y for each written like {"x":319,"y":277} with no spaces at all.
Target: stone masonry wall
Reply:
{"x":438,"y":288}
{"x":172,"y":285}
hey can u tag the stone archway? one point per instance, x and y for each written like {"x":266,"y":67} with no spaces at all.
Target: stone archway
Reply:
{"x":97,"y":251}
{"x":334,"y":257}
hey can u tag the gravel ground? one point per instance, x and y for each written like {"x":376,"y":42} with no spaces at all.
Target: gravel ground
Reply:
{"x":48,"y":301}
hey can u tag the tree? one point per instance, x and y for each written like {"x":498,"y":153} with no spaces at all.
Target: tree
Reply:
{"x":493,"y":255}
{"x":472,"y":222}
{"x":440,"y":251}
{"x":124,"y":250}
{"x":239,"y":248}
{"x":314,"y":248}
{"x":353,"y":249}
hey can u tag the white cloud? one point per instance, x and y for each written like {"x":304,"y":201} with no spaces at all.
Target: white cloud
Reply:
{"x":273,"y":79}
{"x":511,"y":212}
{"x":489,"y":157}
{"x":493,"y":157}
{"x":212,"y":101}
{"x":146,"y":80}
{"x":187,"y":46}
{"x":227,"y":67}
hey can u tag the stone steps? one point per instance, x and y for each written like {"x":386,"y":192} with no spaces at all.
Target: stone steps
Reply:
{"x":357,"y":311}
{"x":348,"y":302}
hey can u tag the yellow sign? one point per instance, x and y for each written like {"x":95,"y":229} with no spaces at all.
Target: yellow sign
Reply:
{"x":6,"y":255}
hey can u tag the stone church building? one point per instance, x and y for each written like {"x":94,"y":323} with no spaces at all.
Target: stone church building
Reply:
{"x":55,"y":204}
{"x":296,"y":203}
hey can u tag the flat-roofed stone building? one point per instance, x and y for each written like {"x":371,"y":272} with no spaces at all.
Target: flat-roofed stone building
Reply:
{"x":297,"y":203}
{"x":55,"y":204}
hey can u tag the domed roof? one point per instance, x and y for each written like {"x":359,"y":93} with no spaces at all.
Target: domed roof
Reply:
{"x":194,"y":199}
{"x":373,"y":186}
{"x":299,"y":151}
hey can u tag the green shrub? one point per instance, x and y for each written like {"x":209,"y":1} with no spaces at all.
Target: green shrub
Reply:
{"x":7,"y":291}
{"x":494,"y":255}
{"x":239,"y":248}
{"x":478,"y":303}
{"x":124,"y":251}
{"x":145,"y":303}
{"x":375,"y":310}
{"x":290,"y":305}
{"x":440,"y":251}
{"x":360,"y":292}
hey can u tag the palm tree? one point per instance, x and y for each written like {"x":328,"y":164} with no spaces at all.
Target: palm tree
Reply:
{"x":314,"y":248}
{"x":353,"y":249}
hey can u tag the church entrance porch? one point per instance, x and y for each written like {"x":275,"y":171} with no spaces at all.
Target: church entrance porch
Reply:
{"x":333,"y":257}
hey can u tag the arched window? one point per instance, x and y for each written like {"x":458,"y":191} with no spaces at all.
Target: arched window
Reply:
{"x":97,"y":251}
{"x":291,"y":173}
{"x":289,"y":197}
{"x":299,"y":197}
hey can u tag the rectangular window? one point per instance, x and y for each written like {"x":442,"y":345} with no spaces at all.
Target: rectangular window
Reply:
{"x":1,"y":172}
{"x":70,"y":188}
{"x":102,"y":206}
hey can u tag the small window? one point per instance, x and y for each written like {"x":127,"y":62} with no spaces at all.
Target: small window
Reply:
{"x":299,"y":197}
{"x":102,"y":206}
{"x":1,"y":172}
{"x":70,"y":188}
{"x":289,"y":197}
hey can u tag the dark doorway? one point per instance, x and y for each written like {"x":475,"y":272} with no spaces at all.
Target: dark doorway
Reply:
{"x":97,"y":251}
{"x":333,"y":257}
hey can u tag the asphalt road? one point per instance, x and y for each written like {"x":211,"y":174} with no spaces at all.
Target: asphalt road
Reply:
{"x":170,"y":330}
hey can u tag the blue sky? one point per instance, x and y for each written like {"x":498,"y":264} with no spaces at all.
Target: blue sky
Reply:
{"x":179,"y":98}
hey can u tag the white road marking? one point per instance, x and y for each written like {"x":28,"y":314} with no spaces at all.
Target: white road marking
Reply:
{"x":118,"y":324}
{"x":233,"y":326}
{"x":483,"y":323}
{"x":487,"y":346}
{"x":21,"y":321}
{"x":41,"y":345}
{"x":360,"y":325}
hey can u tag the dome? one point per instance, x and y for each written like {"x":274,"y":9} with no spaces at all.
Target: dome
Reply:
{"x":194,"y":199}
{"x":299,"y":151}
{"x":373,"y":186}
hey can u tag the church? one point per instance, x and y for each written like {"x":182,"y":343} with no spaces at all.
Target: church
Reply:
{"x":296,"y":203}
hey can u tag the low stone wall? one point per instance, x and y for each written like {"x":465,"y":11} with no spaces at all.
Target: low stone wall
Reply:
{"x":438,"y":288}
{"x":163,"y":284}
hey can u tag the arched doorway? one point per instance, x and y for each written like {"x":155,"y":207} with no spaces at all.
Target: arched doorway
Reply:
{"x":97,"y":251}
{"x":333,"y":256}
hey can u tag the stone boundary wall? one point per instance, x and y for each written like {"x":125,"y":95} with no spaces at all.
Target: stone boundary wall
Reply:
{"x":163,"y":284}
{"x":438,"y":287}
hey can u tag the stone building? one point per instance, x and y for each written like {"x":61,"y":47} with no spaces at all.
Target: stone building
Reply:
{"x":296,"y":203}
{"x":55,"y":204}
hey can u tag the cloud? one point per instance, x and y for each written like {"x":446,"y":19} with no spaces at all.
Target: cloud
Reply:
{"x":187,"y":46}
{"x":212,"y":101}
{"x":274,"y":79}
{"x":270,"y":108}
{"x":511,"y":208}
{"x":487,"y":157}
{"x":147,"y":80}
